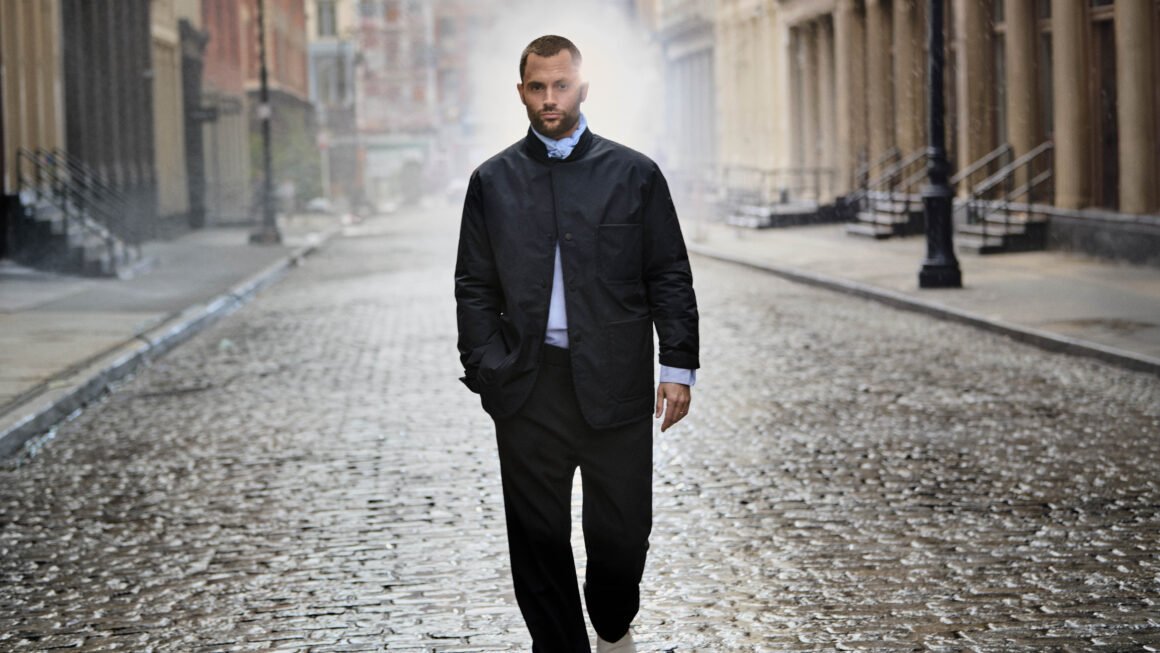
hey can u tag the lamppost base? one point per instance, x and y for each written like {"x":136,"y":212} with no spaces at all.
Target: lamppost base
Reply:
{"x":266,"y":236}
{"x":940,"y":276}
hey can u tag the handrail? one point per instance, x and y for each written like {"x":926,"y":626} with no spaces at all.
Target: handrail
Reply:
{"x":894,"y":170}
{"x":66,"y":189}
{"x":89,"y":176}
{"x":1006,"y":171}
{"x":884,"y":158}
{"x":106,"y":204}
{"x":112,"y":203}
{"x":863,"y":170}
{"x":77,"y":209}
{"x":1002,"y":179}
{"x":969,"y":171}
{"x":1029,"y":187}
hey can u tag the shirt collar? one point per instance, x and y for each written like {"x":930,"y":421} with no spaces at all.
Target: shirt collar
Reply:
{"x":561,"y":149}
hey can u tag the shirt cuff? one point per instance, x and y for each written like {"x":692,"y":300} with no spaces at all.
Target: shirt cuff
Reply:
{"x":678,"y":375}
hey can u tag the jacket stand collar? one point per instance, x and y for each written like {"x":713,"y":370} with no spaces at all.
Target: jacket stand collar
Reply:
{"x":538,"y":151}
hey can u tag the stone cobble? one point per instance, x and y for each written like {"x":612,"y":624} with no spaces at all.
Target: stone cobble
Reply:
{"x":309,"y":475}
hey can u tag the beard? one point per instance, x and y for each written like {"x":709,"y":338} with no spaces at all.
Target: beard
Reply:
{"x":558,"y":128}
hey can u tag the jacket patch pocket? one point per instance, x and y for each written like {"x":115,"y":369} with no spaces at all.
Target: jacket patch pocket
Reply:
{"x":629,"y":366}
{"x":620,"y":252}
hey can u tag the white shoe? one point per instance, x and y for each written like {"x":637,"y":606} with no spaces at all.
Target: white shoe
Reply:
{"x":623,"y":645}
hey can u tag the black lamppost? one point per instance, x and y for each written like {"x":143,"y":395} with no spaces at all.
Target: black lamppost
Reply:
{"x":267,"y":233}
{"x":940,"y":269}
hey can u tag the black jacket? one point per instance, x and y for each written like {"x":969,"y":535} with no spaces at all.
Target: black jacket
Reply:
{"x":625,"y":268}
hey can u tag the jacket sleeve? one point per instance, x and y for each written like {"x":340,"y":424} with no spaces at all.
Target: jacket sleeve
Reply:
{"x":668,"y":277}
{"x":478,"y":295}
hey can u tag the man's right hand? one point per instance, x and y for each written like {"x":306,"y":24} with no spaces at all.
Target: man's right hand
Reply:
{"x":673,"y":400}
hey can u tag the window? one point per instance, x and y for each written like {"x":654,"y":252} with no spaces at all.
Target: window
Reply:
{"x":326,"y":18}
{"x":371,"y":8}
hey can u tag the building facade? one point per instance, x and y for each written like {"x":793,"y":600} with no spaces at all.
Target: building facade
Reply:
{"x":31,"y":82}
{"x":687,"y":32}
{"x":1067,"y":88}
{"x":225,"y":131}
{"x":396,"y":96}
{"x":109,"y":104}
{"x":173,"y":169}
{"x":31,"y":92}
{"x":1063,"y":90}
{"x":332,"y":28}
{"x":295,"y":153}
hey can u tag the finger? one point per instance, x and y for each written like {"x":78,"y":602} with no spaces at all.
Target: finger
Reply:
{"x":672,"y":415}
{"x":660,"y":402}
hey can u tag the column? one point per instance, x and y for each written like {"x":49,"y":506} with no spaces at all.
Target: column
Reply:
{"x":796,"y":96}
{"x":1023,"y":132}
{"x":812,"y":95}
{"x":31,"y":44}
{"x":1136,"y":106}
{"x":879,"y":90}
{"x":1073,"y":121}
{"x":50,"y":73}
{"x":769,"y":63}
{"x":826,"y":113}
{"x":908,"y":77}
{"x":5,"y":184}
{"x":850,"y":90}
{"x":974,"y":81}
{"x":728,"y":102}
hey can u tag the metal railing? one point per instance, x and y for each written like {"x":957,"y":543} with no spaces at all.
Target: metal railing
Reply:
{"x":1001,"y":154}
{"x":894,"y":189}
{"x":999,"y":195}
{"x":866,"y":169}
{"x":87,"y":203}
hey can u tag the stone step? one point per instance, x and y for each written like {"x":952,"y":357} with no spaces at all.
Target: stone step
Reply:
{"x":992,"y":229}
{"x":895,"y":206}
{"x":872,"y":217}
{"x":869,"y":230}
{"x":976,"y":244}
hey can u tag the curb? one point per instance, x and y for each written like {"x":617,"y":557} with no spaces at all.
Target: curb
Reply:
{"x":64,"y":396}
{"x":1042,"y":339}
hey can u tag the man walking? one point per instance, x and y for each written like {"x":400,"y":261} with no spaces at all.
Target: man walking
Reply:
{"x":570,"y":254}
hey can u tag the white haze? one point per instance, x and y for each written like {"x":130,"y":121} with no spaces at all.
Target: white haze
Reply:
{"x":621,"y":63}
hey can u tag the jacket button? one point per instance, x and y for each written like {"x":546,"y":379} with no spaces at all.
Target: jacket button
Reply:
{"x":568,"y":236}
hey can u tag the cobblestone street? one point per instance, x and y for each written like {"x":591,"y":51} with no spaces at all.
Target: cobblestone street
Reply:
{"x":309,"y":475}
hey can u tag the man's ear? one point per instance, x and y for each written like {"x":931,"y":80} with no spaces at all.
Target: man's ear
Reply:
{"x":520,"y":91}
{"x":584,"y":91}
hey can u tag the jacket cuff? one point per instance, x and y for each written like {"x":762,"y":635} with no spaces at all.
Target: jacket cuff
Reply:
{"x":680,"y":359}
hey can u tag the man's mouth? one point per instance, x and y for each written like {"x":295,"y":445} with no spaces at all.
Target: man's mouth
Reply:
{"x":550,"y":116}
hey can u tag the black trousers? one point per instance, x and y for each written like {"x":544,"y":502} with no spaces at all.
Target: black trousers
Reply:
{"x":540,"y":449}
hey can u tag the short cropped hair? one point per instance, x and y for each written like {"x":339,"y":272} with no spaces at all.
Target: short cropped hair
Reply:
{"x":549,"y":46}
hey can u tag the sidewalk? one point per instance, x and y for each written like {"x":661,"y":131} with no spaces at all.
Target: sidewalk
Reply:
{"x":64,"y":339}
{"x":1054,"y":300}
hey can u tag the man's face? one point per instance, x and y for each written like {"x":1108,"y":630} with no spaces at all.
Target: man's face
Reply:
{"x":552,"y":92}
